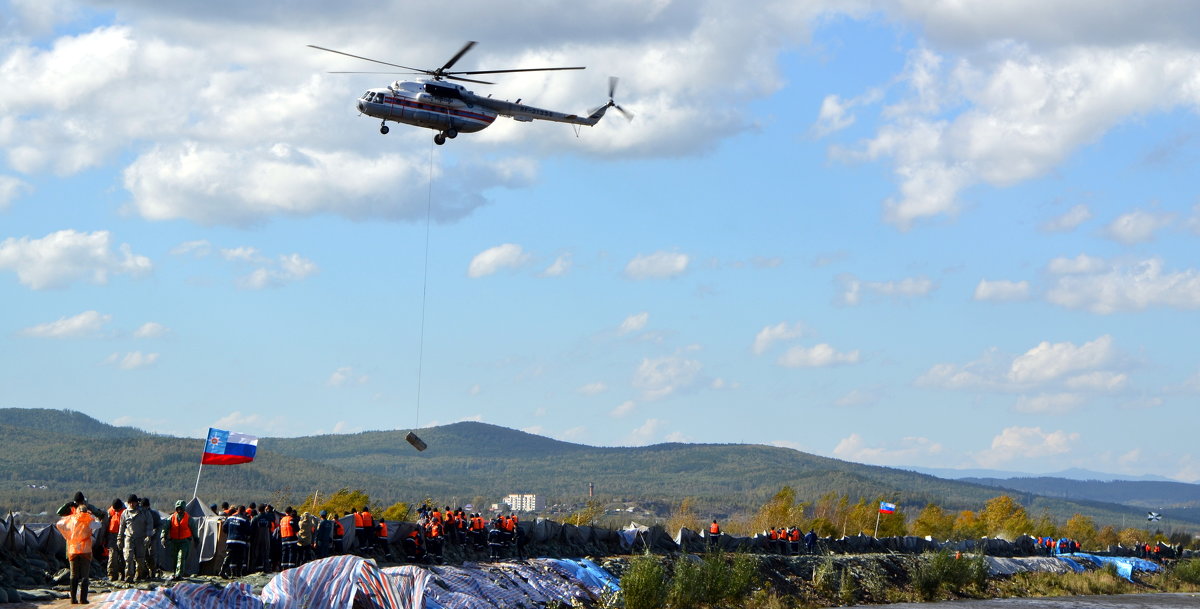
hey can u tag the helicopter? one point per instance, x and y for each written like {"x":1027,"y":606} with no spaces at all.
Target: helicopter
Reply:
{"x":450,"y":108}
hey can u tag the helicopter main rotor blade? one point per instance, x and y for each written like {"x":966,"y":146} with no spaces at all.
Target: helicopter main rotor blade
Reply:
{"x":449,"y":77}
{"x":394,"y":65}
{"x":517,"y":70}
{"x":457,"y":56}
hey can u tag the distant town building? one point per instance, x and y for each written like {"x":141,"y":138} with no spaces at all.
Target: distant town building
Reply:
{"x":525,"y":502}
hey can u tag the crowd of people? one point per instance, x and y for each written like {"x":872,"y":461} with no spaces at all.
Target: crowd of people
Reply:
{"x":259,"y":539}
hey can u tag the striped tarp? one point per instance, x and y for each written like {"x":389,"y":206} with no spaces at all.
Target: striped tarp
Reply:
{"x":350,"y":582}
{"x":235,"y":595}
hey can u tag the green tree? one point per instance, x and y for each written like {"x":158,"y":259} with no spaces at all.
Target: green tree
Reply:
{"x":861,"y":518}
{"x":586,"y":515}
{"x":1082,"y":529}
{"x":398,"y":511}
{"x":781,"y":510}
{"x":340,"y":502}
{"x":968,"y":525}
{"x":685,"y":516}
{"x":1106,"y":537}
{"x":1044,"y":526}
{"x":1004,"y":517}
{"x":934,"y":522}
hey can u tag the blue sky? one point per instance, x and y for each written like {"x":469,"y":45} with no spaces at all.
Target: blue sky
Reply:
{"x":940,"y":234}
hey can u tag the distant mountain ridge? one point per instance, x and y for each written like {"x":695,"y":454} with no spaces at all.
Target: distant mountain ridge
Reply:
{"x":68,"y":450}
{"x":1074,"y":473}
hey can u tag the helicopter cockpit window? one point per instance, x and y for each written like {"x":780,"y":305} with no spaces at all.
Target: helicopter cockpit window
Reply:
{"x":369,"y":96}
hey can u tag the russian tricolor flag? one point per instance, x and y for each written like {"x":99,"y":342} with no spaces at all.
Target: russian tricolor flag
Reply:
{"x":228,"y":448}
{"x":887,"y":508}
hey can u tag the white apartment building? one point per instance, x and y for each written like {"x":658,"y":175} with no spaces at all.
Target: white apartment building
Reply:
{"x":525,"y":502}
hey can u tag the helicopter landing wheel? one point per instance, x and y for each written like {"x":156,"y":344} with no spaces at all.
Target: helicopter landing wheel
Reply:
{"x":451,"y":133}
{"x":439,"y":139}
{"x":383,"y":129}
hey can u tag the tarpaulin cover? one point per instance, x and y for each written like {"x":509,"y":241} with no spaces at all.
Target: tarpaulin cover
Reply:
{"x":236,"y":595}
{"x":346,"y":582}
{"x":1126,"y":565}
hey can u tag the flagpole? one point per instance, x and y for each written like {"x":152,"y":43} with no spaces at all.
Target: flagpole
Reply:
{"x":877,"y":513}
{"x":197,"y":489}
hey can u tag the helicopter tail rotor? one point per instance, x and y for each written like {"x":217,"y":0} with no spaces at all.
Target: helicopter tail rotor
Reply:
{"x":612,"y":89}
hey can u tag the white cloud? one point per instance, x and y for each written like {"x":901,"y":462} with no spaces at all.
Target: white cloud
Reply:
{"x":63,"y":257}
{"x":199,"y":248}
{"x":857,"y":397}
{"x":835,"y":113}
{"x":660,"y":377}
{"x":853,"y":288}
{"x":1012,"y":112}
{"x":1049,"y":361}
{"x":132,"y":360}
{"x":772,"y":334}
{"x":573,"y":434}
{"x":634,"y":323}
{"x":646,"y":433}
{"x":659,"y":265}
{"x":1133,"y":287}
{"x":1138,"y":226}
{"x":243,"y":253}
{"x":1049,"y":403}
{"x":623,"y":409}
{"x":1081,"y":264}
{"x":910,"y":449}
{"x":593,"y":388}
{"x":1051,"y":377}
{"x":346,"y":375}
{"x":1100,"y":380}
{"x":280,"y":272}
{"x":1068,"y":221}
{"x":151,"y":329}
{"x":492,"y":260}
{"x":83,"y":325}
{"x":1002,"y":290}
{"x":1026,"y":443}
{"x":817,"y":356}
{"x":560,"y":267}
{"x":12,"y":189}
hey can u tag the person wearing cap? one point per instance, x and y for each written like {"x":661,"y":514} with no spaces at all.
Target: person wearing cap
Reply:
{"x":324,"y":536}
{"x":135,"y":527}
{"x":77,"y":528}
{"x":179,"y":538}
{"x":237,"y":543}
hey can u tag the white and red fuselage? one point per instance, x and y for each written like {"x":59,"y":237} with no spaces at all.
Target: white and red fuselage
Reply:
{"x":452,"y":109}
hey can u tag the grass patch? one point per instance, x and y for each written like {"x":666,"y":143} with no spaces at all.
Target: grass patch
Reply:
{"x":939,"y":573}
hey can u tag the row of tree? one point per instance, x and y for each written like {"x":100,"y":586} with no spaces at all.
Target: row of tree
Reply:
{"x":833,"y":514}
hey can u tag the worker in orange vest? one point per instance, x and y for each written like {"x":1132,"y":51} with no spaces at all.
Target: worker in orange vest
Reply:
{"x":76,"y":529}
{"x":384,"y":545}
{"x":339,"y":534}
{"x":714,"y":533}
{"x":433,"y":539}
{"x":116,"y":562}
{"x":368,"y":532}
{"x":289,"y":528}
{"x":179,"y":538}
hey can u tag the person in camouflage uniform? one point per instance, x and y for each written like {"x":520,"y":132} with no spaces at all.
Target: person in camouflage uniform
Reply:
{"x":135,"y":527}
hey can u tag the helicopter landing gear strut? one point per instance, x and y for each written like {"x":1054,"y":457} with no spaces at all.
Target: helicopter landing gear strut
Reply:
{"x":383,"y":128}
{"x":441,"y":137}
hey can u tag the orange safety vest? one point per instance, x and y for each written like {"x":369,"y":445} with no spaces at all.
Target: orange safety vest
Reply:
{"x":772,"y":535}
{"x":383,"y":530}
{"x":477,"y":524}
{"x":358,"y":520}
{"x":367,"y":519}
{"x":338,"y":529}
{"x":181,"y":526}
{"x":713,"y":529}
{"x":437,"y":516}
{"x":795,"y":536}
{"x":114,"y":520}
{"x":435,"y":530}
{"x":287,"y":527}
{"x":76,"y":529}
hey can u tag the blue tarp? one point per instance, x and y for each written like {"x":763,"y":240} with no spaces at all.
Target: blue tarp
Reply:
{"x":1126,"y":565}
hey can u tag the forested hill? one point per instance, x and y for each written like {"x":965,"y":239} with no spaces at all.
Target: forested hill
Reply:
{"x":1176,"y":499}
{"x":66,"y":451}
